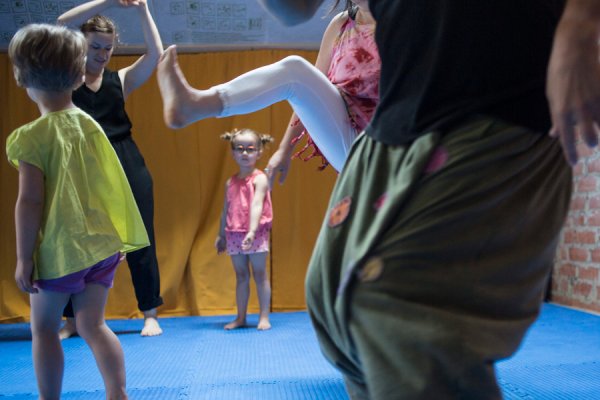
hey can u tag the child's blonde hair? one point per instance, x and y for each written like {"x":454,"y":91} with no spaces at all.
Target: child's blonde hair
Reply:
{"x":261,"y":139}
{"x":48,"y":57}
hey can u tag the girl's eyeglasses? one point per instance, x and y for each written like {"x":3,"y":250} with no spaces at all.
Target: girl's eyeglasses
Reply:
{"x":241,"y":149}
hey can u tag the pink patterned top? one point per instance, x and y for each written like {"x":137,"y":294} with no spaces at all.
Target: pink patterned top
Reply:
{"x":355,"y":68}
{"x":240,"y":192}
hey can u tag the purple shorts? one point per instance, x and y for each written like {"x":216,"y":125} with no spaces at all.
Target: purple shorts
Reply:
{"x":101,"y":273}
{"x":234,"y":242}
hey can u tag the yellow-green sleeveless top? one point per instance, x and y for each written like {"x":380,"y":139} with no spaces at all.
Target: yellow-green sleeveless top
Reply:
{"x":89,"y":210}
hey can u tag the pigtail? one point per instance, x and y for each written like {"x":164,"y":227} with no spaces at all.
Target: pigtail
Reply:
{"x":228,"y":136}
{"x":263,"y":139}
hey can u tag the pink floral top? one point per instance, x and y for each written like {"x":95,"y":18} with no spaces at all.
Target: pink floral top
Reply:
{"x":354,"y":69}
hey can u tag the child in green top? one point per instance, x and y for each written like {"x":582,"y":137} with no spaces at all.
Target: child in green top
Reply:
{"x":75,"y":213}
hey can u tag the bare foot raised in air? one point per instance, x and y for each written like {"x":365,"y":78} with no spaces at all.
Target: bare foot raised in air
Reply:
{"x":68,"y":329}
{"x":151,"y":325}
{"x":236,"y":323}
{"x":182,"y":104}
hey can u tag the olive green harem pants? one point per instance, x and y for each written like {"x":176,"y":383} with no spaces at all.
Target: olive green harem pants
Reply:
{"x":433,"y":258}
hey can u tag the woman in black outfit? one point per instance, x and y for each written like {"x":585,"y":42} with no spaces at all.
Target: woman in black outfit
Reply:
{"x":103,"y":97}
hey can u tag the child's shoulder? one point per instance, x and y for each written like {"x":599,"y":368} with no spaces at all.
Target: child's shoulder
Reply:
{"x":55,"y":124}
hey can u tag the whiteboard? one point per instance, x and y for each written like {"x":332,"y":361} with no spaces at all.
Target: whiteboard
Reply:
{"x":194,"y":25}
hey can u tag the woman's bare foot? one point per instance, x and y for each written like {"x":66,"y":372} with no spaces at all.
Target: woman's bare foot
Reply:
{"x":151,"y":325}
{"x":237,"y":323}
{"x":182,"y":104}
{"x":68,"y":329}
{"x":263,"y":324}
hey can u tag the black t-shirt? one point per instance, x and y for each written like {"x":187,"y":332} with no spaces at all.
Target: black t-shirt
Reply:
{"x":446,"y":60}
{"x":106,"y":106}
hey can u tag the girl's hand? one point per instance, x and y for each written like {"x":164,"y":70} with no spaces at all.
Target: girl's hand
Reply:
{"x":23,"y":275}
{"x":220,"y":244}
{"x":247,"y":242}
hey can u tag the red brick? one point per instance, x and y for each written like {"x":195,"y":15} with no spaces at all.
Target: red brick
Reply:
{"x":586,"y":184}
{"x":578,"y":254}
{"x":567,"y":270}
{"x":563,"y":286}
{"x":593,"y":219}
{"x":595,"y":255}
{"x":569,"y":236}
{"x":578,"y":169}
{"x":585,"y":237}
{"x":594,"y":202}
{"x":593,"y":165}
{"x":583,"y":289}
{"x":564,"y":254}
{"x":588,"y":273}
{"x":576,"y":219}
{"x":578,"y":203}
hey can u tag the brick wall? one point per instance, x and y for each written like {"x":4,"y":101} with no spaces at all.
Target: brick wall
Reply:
{"x":576,"y":275}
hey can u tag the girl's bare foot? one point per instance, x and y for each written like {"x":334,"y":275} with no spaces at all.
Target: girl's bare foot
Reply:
{"x":182,"y":104}
{"x":68,"y":329}
{"x":237,"y":323}
{"x":151,"y":325}
{"x":263,"y":324}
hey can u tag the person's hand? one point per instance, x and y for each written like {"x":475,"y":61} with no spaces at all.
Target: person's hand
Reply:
{"x":132,"y":3}
{"x":573,"y":84}
{"x":23,"y":276}
{"x":220,"y":244}
{"x":279,"y":163}
{"x":248,"y":240}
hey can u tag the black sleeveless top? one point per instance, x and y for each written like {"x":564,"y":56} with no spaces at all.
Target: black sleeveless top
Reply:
{"x":447,"y":60}
{"x":106,"y":106}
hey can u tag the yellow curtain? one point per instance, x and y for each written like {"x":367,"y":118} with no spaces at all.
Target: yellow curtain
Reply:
{"x":189,"y":168}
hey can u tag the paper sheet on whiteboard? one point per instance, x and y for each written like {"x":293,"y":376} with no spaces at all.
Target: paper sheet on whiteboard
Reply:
{"x":192,"y":24}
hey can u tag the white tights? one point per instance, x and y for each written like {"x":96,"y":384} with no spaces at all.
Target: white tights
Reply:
{"x":315,"y":100}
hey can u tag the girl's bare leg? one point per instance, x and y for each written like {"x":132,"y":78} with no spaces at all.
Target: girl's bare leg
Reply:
{"x":263,"y":288}
{"x":242,"y":290}
{"x":89,"y":316}
{"x":48,"y":357}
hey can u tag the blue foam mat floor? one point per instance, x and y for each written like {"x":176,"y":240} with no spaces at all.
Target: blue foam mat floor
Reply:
{"x":196,"y":359}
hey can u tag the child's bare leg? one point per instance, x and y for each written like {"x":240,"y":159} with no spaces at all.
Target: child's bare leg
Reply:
{"x":68,"y":329}
{"x":48,"y":357}
{"x":182,"y":104}
{"x":89,"y":316}
{"x":151,"y":325}
{"x":242,"y":290}
{"x":263,"y":288}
